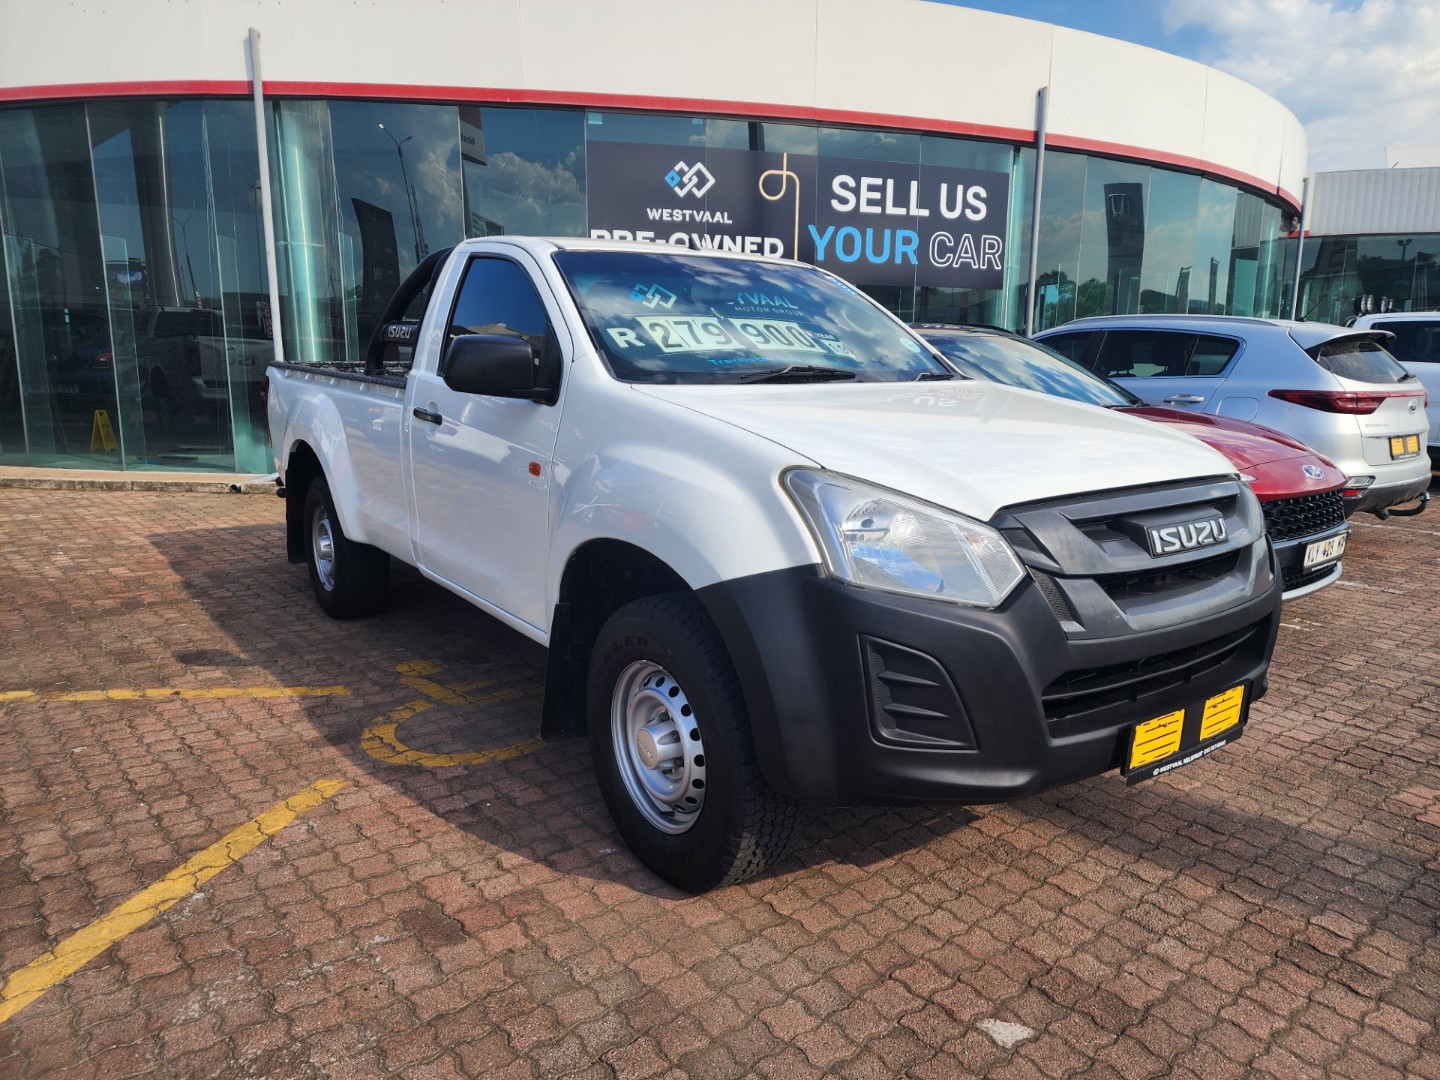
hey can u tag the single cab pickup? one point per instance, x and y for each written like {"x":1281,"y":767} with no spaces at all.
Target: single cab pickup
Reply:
{"x":778,"y":551}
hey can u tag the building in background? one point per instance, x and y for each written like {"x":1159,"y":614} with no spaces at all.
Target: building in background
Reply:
{"x":1372,"y":243}
{"x":893,"y":141}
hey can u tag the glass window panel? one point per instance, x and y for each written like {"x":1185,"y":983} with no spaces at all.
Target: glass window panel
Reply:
{"x":524,"y":171}
{"x":965,"y":153}
{"x":1214,"y":238}
{"x":397,"y":177}
{"x":12,"y":420}
{"x":244,"y":289}
{"x":645,"y":128}
{"x":56,"y":282}
{"x":869,"y":145}
{"x":314,"y":292}
{"x":787,"y":139}
{"x":153,"y":192}
{"x":1169,"y":242}
{"x":1112,"y":238}
{"x":1060,"y":223}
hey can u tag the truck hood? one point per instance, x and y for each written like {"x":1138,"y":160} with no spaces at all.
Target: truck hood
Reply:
{"x":971,"y":446}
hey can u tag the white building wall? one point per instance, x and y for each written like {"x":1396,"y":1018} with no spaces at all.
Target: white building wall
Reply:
{"x":910,"y":64}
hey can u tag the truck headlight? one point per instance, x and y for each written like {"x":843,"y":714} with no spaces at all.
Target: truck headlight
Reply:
{"x":880,"y":539}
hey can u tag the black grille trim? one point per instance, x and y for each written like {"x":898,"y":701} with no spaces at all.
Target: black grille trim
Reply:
{"x":1158,"y":582}
{"x":1070,"y":699}
{"x":1297,"y":577}
{"x":1304,"y":515}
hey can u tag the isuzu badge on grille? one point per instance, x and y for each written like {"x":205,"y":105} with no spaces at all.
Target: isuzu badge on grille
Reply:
{"x":1168,"y":539}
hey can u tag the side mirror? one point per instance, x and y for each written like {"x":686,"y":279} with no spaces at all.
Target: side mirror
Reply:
{"x":498,"y":365}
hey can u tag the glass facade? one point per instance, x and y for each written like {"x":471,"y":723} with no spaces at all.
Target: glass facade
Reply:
{"x":135,"y":319}
{"x":1389,"y":272}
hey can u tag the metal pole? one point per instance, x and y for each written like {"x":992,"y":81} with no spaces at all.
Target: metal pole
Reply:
{"x":1300,"y":243}
{"x":267,"y":205}
{"x":1042,"y":104}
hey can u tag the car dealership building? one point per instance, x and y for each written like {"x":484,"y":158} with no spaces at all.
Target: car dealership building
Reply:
{"x":151,"y":267}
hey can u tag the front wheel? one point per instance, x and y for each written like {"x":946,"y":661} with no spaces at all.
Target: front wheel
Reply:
{"x":349,"y":579}
{"x":673,"y":751}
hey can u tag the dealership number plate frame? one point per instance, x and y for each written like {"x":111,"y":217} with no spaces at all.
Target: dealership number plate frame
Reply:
{"x":1320,"y":552}
{"x":1177,"y":738}
{"x":1404,"y":446}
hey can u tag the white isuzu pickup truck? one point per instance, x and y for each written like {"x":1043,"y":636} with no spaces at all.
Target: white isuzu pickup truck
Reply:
{"x":777,"y":549}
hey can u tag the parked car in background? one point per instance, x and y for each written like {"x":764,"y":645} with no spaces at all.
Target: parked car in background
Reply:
{"x":1334,"y":389}
{"x":81,"y":360}
{"x":1299,"y":490}
{"x":188,"y":361}
{"x":1417,"y":346}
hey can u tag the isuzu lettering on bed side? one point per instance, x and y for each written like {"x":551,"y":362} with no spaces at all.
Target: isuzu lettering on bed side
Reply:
{"x":777,"y":550}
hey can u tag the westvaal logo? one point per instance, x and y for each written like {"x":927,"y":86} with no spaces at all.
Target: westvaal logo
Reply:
{"x":690,"y":179}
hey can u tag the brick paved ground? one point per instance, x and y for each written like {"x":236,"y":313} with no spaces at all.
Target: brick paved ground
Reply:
{"x":1268,"y":911}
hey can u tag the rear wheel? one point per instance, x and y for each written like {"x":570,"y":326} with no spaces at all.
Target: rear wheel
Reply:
{"x":349,"y":579}
{"x":673,"y":750}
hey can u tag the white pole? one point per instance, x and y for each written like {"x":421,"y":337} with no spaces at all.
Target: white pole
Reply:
{"x":1041,"y":121}
{"x":267,"y":205}
{"x":1300,"y":244}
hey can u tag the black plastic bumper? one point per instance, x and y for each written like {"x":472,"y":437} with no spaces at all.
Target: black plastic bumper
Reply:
{"x":1377,"y":498}
{"x":823,"y":665}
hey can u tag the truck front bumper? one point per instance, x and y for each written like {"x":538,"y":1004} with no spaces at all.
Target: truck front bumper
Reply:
{"x":862,"y":697}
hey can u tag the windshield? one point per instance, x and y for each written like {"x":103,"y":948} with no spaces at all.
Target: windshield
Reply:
{"x":1016,"y":362}
{"x":1360,"y":360}
{"x":669,"y":318}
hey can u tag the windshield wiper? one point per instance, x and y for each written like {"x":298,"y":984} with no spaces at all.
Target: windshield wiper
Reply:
{"x":932,"y":376}
{"x":797,"y":373}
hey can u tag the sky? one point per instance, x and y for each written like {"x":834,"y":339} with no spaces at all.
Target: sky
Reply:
{"x":1360,"y":74}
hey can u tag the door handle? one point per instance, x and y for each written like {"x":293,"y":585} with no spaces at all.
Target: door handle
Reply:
{"x":1173,"y":399}
{"x":426,"y":415}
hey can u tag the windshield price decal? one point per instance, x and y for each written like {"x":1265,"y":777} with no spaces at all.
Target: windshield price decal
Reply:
{"x":705,"y":333}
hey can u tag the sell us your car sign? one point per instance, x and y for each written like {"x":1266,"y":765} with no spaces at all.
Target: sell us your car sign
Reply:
{"x":871,"y":222}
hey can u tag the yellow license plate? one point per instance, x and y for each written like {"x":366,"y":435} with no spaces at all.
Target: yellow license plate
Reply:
{"x":1157,"y":739}
{"x":1404,"y":445}
{"x":1164,"y":736}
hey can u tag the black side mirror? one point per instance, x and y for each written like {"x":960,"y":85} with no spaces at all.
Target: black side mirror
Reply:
{"x":498,"y":365}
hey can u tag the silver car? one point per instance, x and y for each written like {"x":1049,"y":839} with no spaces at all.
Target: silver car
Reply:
{"x":1336,"y":390}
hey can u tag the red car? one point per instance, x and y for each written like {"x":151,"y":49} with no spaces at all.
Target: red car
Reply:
{"x":1299,"y":490}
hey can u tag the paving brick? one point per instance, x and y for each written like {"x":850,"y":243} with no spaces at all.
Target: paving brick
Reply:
{"x":1269,"y":911}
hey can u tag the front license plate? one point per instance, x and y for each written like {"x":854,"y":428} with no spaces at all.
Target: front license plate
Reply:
{"x":1185,"y":735}
{"x":1324,"y":551}
{"x":1402,"y":446}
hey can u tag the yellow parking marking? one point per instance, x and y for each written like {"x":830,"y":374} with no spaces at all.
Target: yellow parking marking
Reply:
{"x":382,"y":741}
{"x":77,"y":950}
{"x":413,"y":675}
{"x":168,"y":695}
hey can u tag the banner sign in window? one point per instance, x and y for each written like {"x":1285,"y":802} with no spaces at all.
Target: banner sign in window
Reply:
{"x":871,"y":222}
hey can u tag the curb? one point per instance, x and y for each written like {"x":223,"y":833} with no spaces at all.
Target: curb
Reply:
{"x":212,"y":485}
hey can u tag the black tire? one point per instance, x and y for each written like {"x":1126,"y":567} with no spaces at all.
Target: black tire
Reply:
{"x":661,"y":653}
{"x":349,"y":579}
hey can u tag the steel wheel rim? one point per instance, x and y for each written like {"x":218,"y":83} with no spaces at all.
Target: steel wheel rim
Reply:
{"x":658,"y":748}
{"x":322,"y":548}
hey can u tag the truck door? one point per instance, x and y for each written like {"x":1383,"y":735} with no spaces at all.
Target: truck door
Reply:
{"x":481,"y":466}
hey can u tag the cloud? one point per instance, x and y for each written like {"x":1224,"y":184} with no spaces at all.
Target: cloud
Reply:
{"x":1361,"y":76}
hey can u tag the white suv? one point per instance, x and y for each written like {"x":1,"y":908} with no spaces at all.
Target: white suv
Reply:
{"x":1335,"y":389}
{"x":1417,"y":347}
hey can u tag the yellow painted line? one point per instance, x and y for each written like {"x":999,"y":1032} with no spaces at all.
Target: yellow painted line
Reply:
{"x":382,"y":741}
{"x":170,"y":695}
{"x":77,"y":950}
{"x":413,"y":675}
